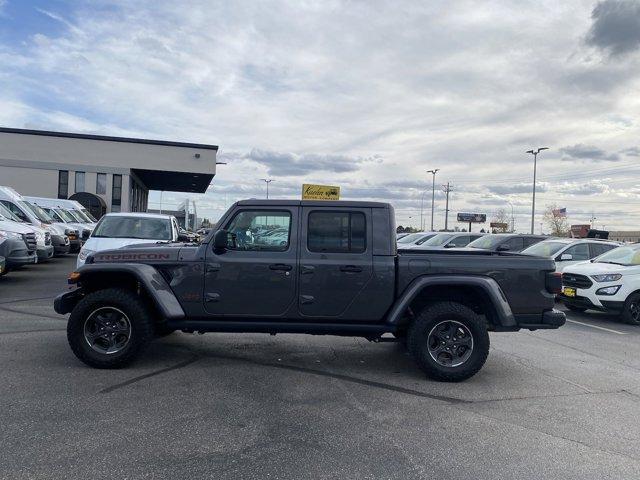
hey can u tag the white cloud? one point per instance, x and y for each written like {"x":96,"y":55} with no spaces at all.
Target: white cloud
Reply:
{"x":368,"y":95}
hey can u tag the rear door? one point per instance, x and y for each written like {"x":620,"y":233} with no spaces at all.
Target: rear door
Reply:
{"x":256,"y":275}
{"x":336,"y":262}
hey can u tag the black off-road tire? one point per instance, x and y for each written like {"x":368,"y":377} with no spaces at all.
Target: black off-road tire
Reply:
{"x":432,"y":316}
{"x":574,"y":308}
{"x":631,"y":312}
{"x":141,"y":326}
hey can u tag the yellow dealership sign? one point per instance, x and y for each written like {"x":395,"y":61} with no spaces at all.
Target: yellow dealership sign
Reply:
{"x":320,"y":192}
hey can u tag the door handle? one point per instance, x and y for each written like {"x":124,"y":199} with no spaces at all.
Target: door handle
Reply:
{"x":307,"y":269}
{"x":280,"y":266}
{"x":350,"y":269}
{"x":211,"y":297}
{"x":213,"y":267}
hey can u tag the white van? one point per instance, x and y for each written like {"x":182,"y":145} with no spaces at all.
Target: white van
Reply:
{"x":61,"y":213}
{"x":44,"y":248}
{"x":27,"y":212}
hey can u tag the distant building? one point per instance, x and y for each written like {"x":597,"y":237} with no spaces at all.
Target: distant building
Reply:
{"x":628,"y":236}
{"x":105,"y":174}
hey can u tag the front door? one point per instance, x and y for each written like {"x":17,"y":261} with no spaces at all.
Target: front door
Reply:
{"x":335,"y":262}
{"x":256,"y":275}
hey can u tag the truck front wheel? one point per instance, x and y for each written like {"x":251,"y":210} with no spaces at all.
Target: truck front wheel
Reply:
{"x":449,"y":341}
{"x":109,"y":328}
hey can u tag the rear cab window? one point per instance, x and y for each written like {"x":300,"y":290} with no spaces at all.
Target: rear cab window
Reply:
{"x":336,"y":232}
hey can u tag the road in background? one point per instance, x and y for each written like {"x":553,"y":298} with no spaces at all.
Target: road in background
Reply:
{"x":548,"y":404}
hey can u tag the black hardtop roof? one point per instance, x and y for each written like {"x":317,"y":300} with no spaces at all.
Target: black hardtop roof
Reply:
{"x":312,"y":203}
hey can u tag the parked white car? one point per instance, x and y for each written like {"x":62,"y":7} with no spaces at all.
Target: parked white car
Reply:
{"x":116,"y":230}
{"x":414,"y":239}
{"x":445,"y":240}
{"x":569,"y":251}
{"x":610,"y":282}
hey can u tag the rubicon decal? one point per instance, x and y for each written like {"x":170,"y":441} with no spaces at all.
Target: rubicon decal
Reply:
{"x":113,"y":257}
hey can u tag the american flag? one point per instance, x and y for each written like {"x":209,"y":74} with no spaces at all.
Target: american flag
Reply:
{"x":560,"y":212}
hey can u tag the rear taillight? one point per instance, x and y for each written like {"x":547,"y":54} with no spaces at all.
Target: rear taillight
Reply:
{"x":553,"y":282}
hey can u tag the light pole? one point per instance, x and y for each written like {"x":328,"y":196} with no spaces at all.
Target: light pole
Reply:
{"x":533,"y":205}
{"x":433,"y":192}
{"x":513,"y":222}
{"x":267,"y":181}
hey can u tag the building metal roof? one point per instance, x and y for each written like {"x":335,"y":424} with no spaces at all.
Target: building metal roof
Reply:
{"x":104,"y":138}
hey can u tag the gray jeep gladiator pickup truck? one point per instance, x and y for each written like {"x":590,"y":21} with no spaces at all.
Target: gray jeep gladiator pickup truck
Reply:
{"x":316,"y":267}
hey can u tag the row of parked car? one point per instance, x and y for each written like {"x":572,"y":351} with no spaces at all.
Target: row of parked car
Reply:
{"x":597,"y":274}
{"x":34,"y":229}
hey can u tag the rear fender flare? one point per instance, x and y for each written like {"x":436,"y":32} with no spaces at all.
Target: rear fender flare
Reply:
{"x":488,"y":285}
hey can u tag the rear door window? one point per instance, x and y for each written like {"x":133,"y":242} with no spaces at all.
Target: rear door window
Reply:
{"x":460,"y":241}
{"x":515,"y":244}
{"x":598,"y":249}
{"x":336,"y":232}
{"x":578,"y":252}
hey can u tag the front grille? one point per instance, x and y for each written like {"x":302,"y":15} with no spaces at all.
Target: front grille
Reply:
{"x":575,"y":280}
{"x":47,"y":238}
{"x":85,"y":234}
{"x":30,"y":241}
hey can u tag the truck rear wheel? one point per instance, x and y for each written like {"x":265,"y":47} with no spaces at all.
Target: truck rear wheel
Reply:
{"x":109,"y":328}
{"x":449,"y":341}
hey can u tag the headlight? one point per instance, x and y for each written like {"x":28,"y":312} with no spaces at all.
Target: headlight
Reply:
{"x":608,"y":290}
{"x":40,"y":235}
{"x":84,"y":253}
{"x":4,"y":234}
{"x":609,"y":277}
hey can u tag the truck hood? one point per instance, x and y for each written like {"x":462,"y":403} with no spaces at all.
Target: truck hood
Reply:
{"x":595,"y":268}
{"x":16,"y":227}
{"x":99,"y":244}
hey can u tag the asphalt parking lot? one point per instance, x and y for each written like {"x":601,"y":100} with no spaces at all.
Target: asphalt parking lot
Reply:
{"x":548,"y":404}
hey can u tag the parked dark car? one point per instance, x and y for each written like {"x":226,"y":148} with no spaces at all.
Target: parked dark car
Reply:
{"x":506,"y":242}
{"x":337,"y":273}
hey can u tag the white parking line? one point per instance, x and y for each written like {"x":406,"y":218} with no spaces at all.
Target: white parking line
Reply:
{"x":599,"y":328}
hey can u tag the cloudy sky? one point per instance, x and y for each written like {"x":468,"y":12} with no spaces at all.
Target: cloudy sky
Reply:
{"x":362,"y":94}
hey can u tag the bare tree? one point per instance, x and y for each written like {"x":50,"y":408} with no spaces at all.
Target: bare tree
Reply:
{"x":500,"y":216}
{"x":559,"y":226}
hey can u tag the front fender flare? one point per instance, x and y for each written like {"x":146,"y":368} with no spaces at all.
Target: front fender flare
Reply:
{"x":150,"y":279}
{"x":488,"y":285}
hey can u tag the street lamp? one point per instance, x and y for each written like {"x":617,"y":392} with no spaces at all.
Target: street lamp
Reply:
{"x":267,"y":181}
{"x":513,"y":222}
{"x":533,"y":205}
{"x":433,"y":192}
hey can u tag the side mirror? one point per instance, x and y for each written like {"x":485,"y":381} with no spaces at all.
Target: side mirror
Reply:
{"x":503,"y":248}
{"x":220,"y":240}
{"x":183,"y":237}
{"x":565,"y":257}
{"x":449,"y":245}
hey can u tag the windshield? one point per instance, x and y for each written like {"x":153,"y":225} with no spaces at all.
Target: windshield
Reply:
{"x":53,"y":214}
{"x":134,"y":227}
{"x":545,"y":249}
{"x":626,"y":256}
{"x":37,"y":211}
{"x":8,"y":214}
{"x":486,"y":242}
{"x":424,"y":238}
{"x":412,"y":237}
{"x":439,"y":239}
{"x":76,"y":218}
{"x":81,"y":215}
{"x":87,"y":214}
{"x":64,"y":215}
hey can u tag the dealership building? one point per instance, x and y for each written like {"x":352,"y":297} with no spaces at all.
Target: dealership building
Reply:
{"x":105,"y":174}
